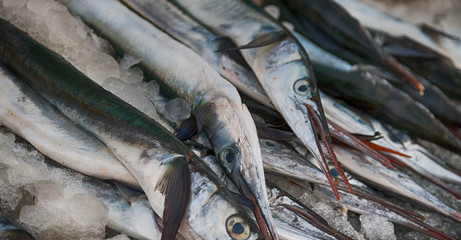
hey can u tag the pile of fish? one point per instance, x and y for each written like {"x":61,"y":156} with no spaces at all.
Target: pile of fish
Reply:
{"x":236,"y":119}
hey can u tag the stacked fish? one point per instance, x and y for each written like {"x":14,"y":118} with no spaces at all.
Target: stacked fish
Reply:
{"x":246,"y":126}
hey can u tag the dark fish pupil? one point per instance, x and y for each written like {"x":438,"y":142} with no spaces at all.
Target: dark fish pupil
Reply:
{"x":230,"y":157}
{"x":237,"y":228}
{"x":302,"y":88}
{"x":269,"y":144}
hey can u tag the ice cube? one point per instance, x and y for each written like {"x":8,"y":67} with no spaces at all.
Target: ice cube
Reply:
{"x":128,"y":61}
{"x":132,"y":75}
{"x":113,"y":85}
{"x":102,"y":67}
{"x":177,"y":110}
{"x":119,"y":237}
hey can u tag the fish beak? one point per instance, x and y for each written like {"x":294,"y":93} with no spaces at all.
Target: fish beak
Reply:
{"x":261,"y":212}
{"x":324,"y":153}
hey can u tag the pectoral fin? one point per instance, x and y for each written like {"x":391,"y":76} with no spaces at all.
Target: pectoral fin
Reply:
{"x":260,"y":41}
{"x":402,"y":51}
{"x":187,"y":129}
{"x":175,"y":184}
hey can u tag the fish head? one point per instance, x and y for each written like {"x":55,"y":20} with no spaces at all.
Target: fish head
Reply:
{"x":215,"y":214}
{"x":285,"y":73}
{"x":233,"y":135}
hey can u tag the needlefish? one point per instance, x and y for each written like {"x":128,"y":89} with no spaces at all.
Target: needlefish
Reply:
{"x":215,"y":103}
{"x":182,"y":27}
{"x":282,"y":67}
{"x":169,"y":172}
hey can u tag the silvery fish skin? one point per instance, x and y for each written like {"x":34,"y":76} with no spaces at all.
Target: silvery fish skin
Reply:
{"x":283,"y":161}
{"x":373,"y":18}
{"x":291,"y":212}
{"x":393,"y":181}
{"x":421,"y":160}
{"x":164,"y":167}
{"x":176,"y":23}
{"x":10,"y":229}
{"x":356,"y":83}
{"x":281,"y":66}
{"x":215,"y":102}
{"x":30,"y":116}
{"x":134,"y":216}
{"x":362,"y":206}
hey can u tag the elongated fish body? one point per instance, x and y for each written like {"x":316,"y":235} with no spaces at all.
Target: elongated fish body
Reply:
{"x":375,"y":19}
{"x":157,"y":160}
{"x":292,"y":218}
{"x":10,"y":229}
{"x":342,"y":79}
{"x":420,"y":160}
{"x":134,"y":217}
{"x":346,"y":117}
{"x":215,"y":102}
{"x":363,"y":206}
{"x":291,"y":211}
{"x":283,"y":161}
{"x":396,"y":182}
{"x":326,"y":19}
{"x":30,"y":116}
{"x":180,"y":26}
{"x":430,"y":64}
{"x":281,"y":66}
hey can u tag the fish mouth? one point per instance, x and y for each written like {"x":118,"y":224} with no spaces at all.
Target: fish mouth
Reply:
{"x":324,"y":152}
{"x":263,"y":218}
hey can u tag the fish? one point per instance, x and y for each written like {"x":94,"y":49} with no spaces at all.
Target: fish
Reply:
{"x":283,"y":161}
{"x":183,"y":28}
{"x":215,"y":103}
{"x":291,"y":211}
{"x":12,"y":230}
{"x":281,"y":66}
{"x":362,"y":87}
{"x":338,"y":78}
{"x":30,"y":116}
{"x":363,"y":206}
{"x":373,"y":18}
{"x":164,"y":167}
{"x":411,"y":154}
{"x":332,"y":21}
{"x":431,"y":65}
{"x":392,"y":181}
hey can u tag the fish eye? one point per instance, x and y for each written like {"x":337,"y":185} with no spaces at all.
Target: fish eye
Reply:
{"x":227,"y":156}
{"x":269,"y":143}
{"x":237,"y":227}
{"x":301,"y":87}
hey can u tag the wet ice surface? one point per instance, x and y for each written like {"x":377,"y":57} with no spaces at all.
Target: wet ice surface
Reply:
{"x":54,"y":205}
{"x":177,"y":109}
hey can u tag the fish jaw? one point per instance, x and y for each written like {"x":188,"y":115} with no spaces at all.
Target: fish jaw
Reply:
{"x":289,"y":83}
{"x":233,"y":135}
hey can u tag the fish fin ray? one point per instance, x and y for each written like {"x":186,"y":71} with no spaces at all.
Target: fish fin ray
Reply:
{"x":175,"y":184}
{"x":274,"y":134}
{"x":402,"y":51}
{"x":130,"y":194}
{"x":260,"y":41}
